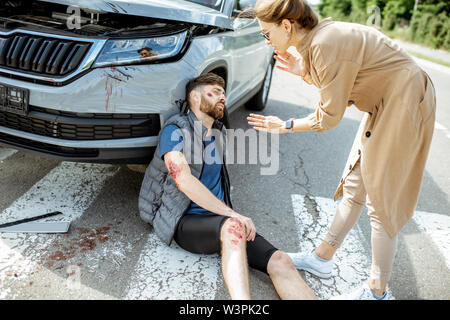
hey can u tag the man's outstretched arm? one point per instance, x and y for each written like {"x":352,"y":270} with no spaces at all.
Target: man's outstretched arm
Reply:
{"x":196,"y":191}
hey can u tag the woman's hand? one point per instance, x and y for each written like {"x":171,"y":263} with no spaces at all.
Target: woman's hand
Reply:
{"x":269,"y":124}
{"x":291,"y":63}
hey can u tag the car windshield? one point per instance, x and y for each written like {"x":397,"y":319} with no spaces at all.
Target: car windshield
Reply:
{"x":215,"y":4}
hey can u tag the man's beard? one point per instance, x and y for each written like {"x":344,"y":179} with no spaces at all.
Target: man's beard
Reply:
{"x":211,"y":109}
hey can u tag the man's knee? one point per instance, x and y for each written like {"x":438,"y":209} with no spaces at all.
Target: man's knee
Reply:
{"x":279,"y":263}
{"x":233,"y":232}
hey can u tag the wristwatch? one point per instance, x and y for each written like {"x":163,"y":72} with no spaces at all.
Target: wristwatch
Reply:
{"x":290,"y":124}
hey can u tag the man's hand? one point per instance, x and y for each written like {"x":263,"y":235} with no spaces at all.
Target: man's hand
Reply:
{"x":249,"y":226}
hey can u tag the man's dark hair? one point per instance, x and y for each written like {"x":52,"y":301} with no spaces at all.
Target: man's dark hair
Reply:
{"x":204,"y":79}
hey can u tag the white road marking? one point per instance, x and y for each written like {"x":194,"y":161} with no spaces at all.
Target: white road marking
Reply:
{"x":352,"y":260}
{"x":314,"y":215}
{"x":6,"y":153}
{"x":167,"y":273}
{"x":162,"y":272}
{"x":428,"y":64}
{"x":440,"y":127}
{"x":69,"y":188}
{"x":437,"y":228}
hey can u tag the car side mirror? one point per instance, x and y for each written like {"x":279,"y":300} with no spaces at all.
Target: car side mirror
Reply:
{"x":245,"y":4}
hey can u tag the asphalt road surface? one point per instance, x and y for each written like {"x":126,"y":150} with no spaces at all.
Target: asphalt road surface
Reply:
{"x":109,"y":253}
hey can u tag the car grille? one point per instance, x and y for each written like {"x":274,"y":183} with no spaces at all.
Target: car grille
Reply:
{"x":76,"y":126}
{"x":48,"y":148}
{"x":42,"y":55}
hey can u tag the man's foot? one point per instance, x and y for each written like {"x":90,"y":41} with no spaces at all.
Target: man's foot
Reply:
{"x":363,"y":293}
{"x":312,"y":263}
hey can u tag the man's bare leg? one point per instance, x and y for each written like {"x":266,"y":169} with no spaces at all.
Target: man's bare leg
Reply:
{"x":287,"y":281}
{"x":234,"y":259}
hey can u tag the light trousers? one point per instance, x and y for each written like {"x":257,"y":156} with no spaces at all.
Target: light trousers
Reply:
{"x":348,"y":213}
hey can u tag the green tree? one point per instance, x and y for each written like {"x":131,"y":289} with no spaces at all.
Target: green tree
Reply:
{"x":434,"y":6}
{"x":395,"y":11}
{"x":338,"y":9}
{"x":429,"y":24}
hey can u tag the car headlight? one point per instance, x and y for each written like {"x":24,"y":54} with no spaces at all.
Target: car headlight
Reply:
{"x":126,"y":51}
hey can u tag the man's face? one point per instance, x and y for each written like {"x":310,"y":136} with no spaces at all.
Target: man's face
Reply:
{"x":145,"y":53}
{"x":213,"y":101}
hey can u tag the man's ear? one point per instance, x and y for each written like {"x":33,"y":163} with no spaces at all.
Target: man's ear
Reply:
{"x":194,"y":98}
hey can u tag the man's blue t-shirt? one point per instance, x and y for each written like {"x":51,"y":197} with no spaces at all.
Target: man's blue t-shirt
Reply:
{"x":172,"y":140}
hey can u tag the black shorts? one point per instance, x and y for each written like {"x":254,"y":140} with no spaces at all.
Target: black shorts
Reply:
{"x":200,"y":233}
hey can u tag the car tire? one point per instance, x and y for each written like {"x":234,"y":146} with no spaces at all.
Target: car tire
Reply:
{"x":259,"y":100}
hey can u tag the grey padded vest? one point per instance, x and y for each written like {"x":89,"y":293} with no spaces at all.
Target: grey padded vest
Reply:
{"x":161,"y":203}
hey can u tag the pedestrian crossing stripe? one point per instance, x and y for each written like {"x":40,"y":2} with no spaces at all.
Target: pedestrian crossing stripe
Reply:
{"x":313,"y":216}
{"x":69,"y":188}
{"x":6,"y":153}
{"x":169,"y":272}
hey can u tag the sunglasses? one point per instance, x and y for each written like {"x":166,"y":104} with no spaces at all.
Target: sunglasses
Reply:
{"x":266,"y":34}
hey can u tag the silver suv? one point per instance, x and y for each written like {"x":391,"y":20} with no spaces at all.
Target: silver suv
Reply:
{"x":93,"y":81}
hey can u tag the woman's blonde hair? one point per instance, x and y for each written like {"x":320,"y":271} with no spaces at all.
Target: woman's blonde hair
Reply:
{"x":274,"y":11}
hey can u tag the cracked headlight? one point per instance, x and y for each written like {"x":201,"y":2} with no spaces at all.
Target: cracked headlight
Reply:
{"x":126,"y":51}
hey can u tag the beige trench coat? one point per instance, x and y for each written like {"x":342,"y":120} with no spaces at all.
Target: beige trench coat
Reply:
{"x":356,"y":64}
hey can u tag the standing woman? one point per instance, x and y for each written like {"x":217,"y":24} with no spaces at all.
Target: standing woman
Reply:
{"x":355,"y":64}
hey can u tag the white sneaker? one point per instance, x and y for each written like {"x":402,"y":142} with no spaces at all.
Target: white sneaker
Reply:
{"x":312,"y":263}
{"x":362,"y":293}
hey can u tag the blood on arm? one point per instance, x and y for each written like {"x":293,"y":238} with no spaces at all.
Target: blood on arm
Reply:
{"x":175,"y":171}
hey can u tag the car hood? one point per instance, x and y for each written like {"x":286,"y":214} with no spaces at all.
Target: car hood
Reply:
{"x":176,"y":10}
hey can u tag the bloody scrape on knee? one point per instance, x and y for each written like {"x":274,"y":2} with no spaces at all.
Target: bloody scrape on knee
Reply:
{"x":236,"y":230}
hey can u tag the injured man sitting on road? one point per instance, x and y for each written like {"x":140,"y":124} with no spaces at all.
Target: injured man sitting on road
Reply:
{"x":185,"y":195}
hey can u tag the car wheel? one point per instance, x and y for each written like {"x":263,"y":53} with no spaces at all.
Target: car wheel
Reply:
{"x":258,"y":101}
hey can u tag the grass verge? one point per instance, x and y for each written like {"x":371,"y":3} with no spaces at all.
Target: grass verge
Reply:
{"x":422,"y":56}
